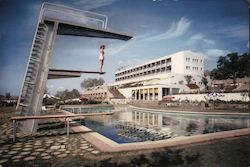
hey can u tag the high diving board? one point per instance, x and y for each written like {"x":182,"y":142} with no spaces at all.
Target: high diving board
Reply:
{"x":73,"y":29}
{"x":60,"y":73}
{"x":56,"y":20}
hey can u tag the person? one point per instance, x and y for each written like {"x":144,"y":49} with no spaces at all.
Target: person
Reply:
{"x":101,"y":58}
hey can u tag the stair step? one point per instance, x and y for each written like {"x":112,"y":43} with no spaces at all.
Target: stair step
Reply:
{"x":37,"y":45}
{"x":40,"y":38}
{"x":34,"y":59}
{"x":24,"y":105}
{"x":42,"y":25}
{"x":29,"y":83}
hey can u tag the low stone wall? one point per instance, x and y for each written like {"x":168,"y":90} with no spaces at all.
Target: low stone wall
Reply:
{"x":118,"y":101}
{"x":216,"y":96}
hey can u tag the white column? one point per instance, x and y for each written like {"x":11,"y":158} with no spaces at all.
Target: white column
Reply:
{"x":153,"y":119}
{"x":153,"y":93}
{"x":139,"y":117}
{"x":139,"y":94}
{"x":143,"y":118}
{"x":160,"y":120}
{"x":148,"y":118}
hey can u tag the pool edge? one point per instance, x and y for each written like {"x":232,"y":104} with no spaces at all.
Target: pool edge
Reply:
{"x":105,"y":144}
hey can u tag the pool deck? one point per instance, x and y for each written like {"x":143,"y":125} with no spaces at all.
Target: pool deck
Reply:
{"x":106,"y":145}
{"x":192,"y":112}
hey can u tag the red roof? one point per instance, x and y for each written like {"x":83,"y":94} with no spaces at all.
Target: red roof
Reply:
{"x":192,"y":86}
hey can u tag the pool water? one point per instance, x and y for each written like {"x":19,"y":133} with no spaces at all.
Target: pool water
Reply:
{"x":129,"y":125}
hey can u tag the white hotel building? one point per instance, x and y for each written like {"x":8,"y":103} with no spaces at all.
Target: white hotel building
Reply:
{"x":154,"y":79}
{"x":163,"y":76}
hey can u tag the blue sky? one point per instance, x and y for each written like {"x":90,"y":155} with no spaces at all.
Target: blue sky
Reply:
{"x":159,"y":28}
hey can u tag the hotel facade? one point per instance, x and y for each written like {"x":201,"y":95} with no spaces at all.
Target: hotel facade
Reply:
{"x":161,"y":77}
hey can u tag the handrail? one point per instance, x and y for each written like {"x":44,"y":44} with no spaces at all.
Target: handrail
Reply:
{"x":102,"y":22}
{"x":67,"y":120}
{"x":20,"y":118}
{"x":76,"y":10}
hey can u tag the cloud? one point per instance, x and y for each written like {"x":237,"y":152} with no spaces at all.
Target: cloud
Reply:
{"x":92,"y":4}
{"x":199,"y":38}
{"x":115,"y":50}
{"x":176,"y":29}
{"x":247,"y":44}
{"x":131,"y":62}
{"x":215,"y":53}
{"x":235,"y":31}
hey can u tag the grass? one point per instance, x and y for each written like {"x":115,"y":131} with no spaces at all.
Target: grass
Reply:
{"x":6,"y":113}
{"x":232,"y":152}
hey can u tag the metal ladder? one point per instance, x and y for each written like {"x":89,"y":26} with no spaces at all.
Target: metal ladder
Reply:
{"x":33,"y":67}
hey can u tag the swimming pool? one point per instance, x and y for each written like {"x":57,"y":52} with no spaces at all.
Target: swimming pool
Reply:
{"x":130,"y":125}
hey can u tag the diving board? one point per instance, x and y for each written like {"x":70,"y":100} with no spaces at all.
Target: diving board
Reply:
{"x":65,"y":28}
{"x":61,"y":73}
{"x":56,"y":20}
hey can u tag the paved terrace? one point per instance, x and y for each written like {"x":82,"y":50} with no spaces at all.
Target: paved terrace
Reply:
{"x":48,"y":143}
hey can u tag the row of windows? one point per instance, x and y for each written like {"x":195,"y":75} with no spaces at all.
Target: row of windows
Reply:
{"x":159,"y":70}
{"x":188,"y":59}
{"x":193,"y":68}
{"x":154,"y":64}
{"x":102,"y":94}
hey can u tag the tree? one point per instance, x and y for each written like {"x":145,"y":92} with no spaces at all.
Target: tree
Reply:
{"x":207,"y":73}
{"x":91,"y":82}
{"x":204,"y":81}
{"x":46,"y":91}
{"x":188,"y":78}
{"x":244,"y":64}
{"x":231,"y":66}
{"x":66,"y":94}
{"x":7,"y":95}
{"x":181,"y":82}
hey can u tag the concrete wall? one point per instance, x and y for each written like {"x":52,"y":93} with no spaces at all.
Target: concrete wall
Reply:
{"x":220,"y":96}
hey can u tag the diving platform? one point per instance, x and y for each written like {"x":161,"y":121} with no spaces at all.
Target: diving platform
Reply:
{"x":60,"y":73}
{"x":56,"y":20}
{"x":66,"y":28}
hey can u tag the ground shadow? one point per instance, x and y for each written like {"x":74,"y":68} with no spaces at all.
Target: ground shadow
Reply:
{"x":166,"y":158}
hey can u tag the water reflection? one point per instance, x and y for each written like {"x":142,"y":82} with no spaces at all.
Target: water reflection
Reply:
{"x":128,"y":125}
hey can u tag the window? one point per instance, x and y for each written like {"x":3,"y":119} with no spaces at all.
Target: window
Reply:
{"x":187,"y":67}
{"x":187,"y":59}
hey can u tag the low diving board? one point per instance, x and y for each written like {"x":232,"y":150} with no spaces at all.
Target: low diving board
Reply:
{"x":60,"y":73}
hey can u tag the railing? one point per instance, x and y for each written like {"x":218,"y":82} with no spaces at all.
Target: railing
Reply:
{"x":61,"y":12}
{"x":66,"y":117}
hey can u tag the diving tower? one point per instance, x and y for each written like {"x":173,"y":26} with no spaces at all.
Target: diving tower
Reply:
{"x":56,"y":20}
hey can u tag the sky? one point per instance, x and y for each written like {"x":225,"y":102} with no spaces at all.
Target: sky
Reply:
{"x":159,"y":28}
